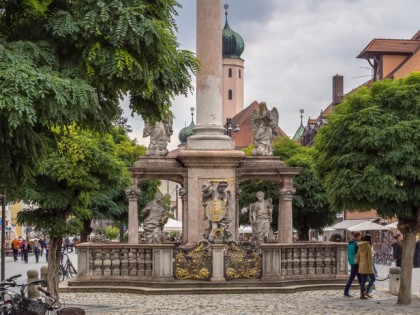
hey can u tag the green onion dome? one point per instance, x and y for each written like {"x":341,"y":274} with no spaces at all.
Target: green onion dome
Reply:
{"x":187,"y":131}
{"x":233,"y":43}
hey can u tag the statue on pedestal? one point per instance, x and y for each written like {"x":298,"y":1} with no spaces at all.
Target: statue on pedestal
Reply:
{"x":260,"y":217}
{"x":264,"y":128}
{"x":155,"y":220}
{"x":216,"y":200}
{"x":160,"y":135}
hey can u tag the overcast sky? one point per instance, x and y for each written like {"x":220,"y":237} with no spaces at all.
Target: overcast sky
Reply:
{"x":293,"y":48}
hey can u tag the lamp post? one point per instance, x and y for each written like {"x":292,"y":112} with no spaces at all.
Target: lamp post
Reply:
{"x":3,"y":234}
{"x":229,"y":127}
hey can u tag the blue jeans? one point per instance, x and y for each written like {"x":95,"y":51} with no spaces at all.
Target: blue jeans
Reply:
{"x":363,"y":278}
{"x":354,"y":271}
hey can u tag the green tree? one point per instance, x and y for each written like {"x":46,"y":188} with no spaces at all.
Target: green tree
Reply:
{"x":311,"y":209}
{"x":310,"y":205}
{"x":369,"y":157}
{"x":64,"y":62}
{"x":84,"y":169}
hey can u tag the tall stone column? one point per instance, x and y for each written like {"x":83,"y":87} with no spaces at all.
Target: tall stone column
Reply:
{"x":285,"y":223}
{"x":184,"y":197}
{"x":209,"y":133}
{"x":133,"y":215}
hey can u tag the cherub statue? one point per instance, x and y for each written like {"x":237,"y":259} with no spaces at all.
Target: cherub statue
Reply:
{"x":160,"y":135}
{"x":264,"y":127}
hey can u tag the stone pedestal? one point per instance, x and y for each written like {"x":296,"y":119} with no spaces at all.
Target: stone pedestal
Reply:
{"x":203,"y":166}
{"x":218,"y":263}
{"x":394,"y":280}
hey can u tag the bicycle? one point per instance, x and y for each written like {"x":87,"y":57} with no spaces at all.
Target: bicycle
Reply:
{"x":66,"y":268}
{"x":55,"y":305}
{"x":17,"y":303}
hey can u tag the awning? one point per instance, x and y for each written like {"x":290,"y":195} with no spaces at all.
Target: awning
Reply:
{"x":173,"y":226}
{"x":368,"y":226}
{"x":345,"y":224}
{"x":393,"y":225}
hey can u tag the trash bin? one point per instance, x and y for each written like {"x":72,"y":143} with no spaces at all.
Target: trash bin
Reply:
{"x":394,"y":280}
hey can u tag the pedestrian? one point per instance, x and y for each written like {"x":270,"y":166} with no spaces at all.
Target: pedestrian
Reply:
{"x":397,"y":248}
{"x":25,"y":247}
{"x":47,"y":246}
{"x":417,"y":255}
{"x":354,"y":267}
{"x":15,"y":247}
{"x":42,"y":245}
{"x":364,"y":257}
{"x":37,"y":249}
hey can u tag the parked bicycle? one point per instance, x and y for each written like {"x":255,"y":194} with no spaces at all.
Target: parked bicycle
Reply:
{"x":67,"y":270}
{"x":15,"y":302}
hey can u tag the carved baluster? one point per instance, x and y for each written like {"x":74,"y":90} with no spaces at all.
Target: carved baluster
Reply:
{"x":296,"y":261}
{"x":319,"y":260}
{"x":148,"y":263}
{"x":115,"y":262}
{"x":132,"y":262}
{"x":283,"y":262}
{"x":106,"y":263}
{"x":142,"y":262}
{"x":303,"y":261}
{"x":97,"y":263}
{"x":327,"y":261}
{"x":289,"y":261}
{"x":91,"y":260}
{"x":124,"y":262}
{"x":311,"y":261}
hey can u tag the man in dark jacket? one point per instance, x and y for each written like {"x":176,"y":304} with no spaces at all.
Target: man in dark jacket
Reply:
{"x":354,"y":266}
{"x":397,"y":248}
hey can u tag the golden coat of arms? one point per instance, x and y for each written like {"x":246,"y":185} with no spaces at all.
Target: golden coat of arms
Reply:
{"x":216,"y":210}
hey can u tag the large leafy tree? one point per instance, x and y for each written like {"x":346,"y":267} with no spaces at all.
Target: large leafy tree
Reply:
{"x":64,"y":62}
{"x":369,"y":157}
{"x":311,"y":209}
{"x":84,"y":171}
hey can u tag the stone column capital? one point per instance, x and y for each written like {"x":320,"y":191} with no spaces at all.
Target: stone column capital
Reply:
{"x":132,"y":193}
{"x":183,"y":192}
{"x":287,"y":193}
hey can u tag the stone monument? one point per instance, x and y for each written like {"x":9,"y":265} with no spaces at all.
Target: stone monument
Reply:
{"x":264,"y":128}
{"x":260,"y":217}
{"x":160,"y":133}
{"x":155,"y":220}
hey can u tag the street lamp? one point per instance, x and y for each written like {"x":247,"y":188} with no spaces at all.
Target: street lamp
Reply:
{"x":3,"y":234}
{"x":229,"y":127}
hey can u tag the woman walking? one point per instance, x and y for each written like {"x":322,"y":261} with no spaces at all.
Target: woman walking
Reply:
{"x":366,"y":270}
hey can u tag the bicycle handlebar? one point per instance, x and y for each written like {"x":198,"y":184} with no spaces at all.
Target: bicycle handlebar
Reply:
{"x":46,"y":292}
{"x":12,"y":277}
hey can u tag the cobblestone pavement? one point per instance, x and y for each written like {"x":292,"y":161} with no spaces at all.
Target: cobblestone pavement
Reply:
{"x":311,"y":302}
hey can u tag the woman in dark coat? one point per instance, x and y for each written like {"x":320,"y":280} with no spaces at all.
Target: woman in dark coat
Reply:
{"x":417,"y":255}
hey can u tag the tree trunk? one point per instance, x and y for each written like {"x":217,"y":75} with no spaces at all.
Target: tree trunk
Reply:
{"x":54,"y":258}
{"x":409,"y":243}
{"x":87,"y":229}
{"x":304,"y":234}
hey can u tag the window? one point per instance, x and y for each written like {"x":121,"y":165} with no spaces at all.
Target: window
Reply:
{"x":230,"y":72}
{"x":230,"y":95}
{"x":240,"y":74}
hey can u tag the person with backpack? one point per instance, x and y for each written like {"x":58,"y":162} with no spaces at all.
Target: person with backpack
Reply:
{"x":354,"y":266}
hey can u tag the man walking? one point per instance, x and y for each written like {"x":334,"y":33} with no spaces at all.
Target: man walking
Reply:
{"x":354,"y":266}
{"x":15,"y":248}
{"x":397,"y":246}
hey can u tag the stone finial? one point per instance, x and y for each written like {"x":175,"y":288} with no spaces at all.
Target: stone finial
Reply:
{"x":33,"y":293}
{"x":264,"y":128}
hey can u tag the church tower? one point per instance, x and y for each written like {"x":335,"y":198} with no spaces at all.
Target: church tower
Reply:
{"x":233,"y":71}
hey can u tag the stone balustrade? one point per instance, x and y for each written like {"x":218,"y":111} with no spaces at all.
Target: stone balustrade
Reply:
{"x":147,"y":262}
{"x":131,"y":261}
{"x":304,"y":260}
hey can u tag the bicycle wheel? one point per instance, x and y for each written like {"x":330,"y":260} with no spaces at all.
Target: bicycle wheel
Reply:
{"x":62,"y":273}
{"x":72,"y":270}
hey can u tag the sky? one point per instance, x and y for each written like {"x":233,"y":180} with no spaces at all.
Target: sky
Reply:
{"x":293,"y":48}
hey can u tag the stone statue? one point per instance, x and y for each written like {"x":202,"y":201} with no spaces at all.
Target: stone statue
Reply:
{"x":160,"y":135}
{"x":264,"y":128}
{"x":216,"y":199}
{"x":260,"y":217}
{"x":155,"y":220}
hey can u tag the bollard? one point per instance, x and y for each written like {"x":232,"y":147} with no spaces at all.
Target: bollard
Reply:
{"x":394,"y":280}
{"x":33,"y":292}
{"x":44,"y":272}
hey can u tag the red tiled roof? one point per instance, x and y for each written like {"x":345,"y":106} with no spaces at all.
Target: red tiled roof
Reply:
{"x":391,"y":46}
